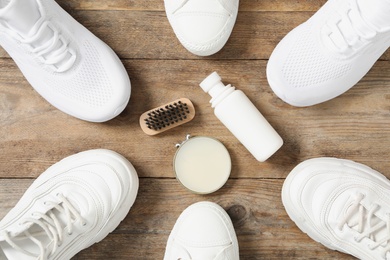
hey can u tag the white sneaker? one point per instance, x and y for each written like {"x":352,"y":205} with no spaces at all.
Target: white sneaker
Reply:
{"x":72,"y":205}
{"x":202,"y":26}
{"x":64,"y":62}
{"x":203,"y":231}
{"x":341,"y":204}
{"x":327,"y":55}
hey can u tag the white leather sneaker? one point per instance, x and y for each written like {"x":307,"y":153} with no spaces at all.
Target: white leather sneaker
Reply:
{"x":327,"y":55}
{"x":202,"y":26}
{"x":341,"y":204}
{"x":72,"y":205}
{"x":203,"y":231}
{"x":64,"y":62}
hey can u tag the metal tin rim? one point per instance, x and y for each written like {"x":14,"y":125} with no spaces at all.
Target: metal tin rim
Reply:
{"x":189,"y":138}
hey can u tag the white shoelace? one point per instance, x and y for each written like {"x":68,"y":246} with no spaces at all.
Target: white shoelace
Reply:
{"x":53,"y":52}
{"x":51,"y":226}
{"x":366,"y":226}
{"x":349,"y":32}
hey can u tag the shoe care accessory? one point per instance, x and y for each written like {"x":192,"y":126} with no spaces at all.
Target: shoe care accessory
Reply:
{"x":242,"y":118}
{"x":167,"y":116}
{"x":202,"y":164}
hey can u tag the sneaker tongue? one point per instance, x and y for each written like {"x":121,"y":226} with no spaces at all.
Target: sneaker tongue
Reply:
{"x":2,"y":255}
{"x":7,"y":252}
{"x":38,"y":233}
{"x":376,"y":12}
{"x":25,"y":243}
{"x":21,"y":240}
{"x":25,"y":18}
{"x":21,"y":15}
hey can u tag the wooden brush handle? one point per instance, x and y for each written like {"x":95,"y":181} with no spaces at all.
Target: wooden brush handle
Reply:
{"x":169,"y":107}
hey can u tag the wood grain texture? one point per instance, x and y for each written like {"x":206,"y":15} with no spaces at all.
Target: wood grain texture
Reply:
{"x":158,"y":5}
{"x":353,"y":126}
{"x":263,"y":228}
{"x":148,"y":35}
{"x":34,"y":135}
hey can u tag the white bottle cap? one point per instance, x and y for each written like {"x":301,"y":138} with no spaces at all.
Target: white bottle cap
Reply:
{"x":208,"y":83}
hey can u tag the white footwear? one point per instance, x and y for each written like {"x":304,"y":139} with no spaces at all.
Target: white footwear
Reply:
{"x":203,"y":231}
{"x":202,"y":26}
{"x":72,"y":205}
{"x":341,"y":204}
{"x":327,"y":55}
{"x":64,"y":62}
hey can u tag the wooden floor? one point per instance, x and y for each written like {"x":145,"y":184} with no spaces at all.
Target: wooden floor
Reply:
{"x":34,"y":135}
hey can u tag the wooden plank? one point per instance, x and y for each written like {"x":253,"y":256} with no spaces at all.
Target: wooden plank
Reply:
{"x":124,"y":31}
{"x":152,"y":247}
{"x":255,"y":34}
{"x":34,"y":135}
{"x":263,"y":228}
{"x":353,"y":126}
{"x":158,"y":5}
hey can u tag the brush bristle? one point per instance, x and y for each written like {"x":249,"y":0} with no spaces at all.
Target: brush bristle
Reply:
{"x":167,"y":116}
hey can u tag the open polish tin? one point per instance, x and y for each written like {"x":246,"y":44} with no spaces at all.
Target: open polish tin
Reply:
{"x":202,"y":164}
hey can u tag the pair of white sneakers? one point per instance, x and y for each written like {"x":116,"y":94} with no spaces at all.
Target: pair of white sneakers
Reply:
{"x":78,"y":201}
{"x":317,"y":61}
{"x":339,"y":203}
{"x":79,"y":74}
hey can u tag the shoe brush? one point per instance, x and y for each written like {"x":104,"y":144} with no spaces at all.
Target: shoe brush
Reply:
{"x":167,"y":116}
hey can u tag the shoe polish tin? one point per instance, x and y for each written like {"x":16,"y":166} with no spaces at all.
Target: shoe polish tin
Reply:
{"x":202,"y":164}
